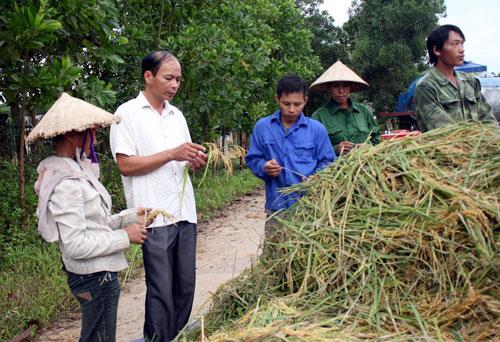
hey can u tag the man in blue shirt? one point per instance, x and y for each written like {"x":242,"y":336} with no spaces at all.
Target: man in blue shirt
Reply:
{"x":287,"y":146}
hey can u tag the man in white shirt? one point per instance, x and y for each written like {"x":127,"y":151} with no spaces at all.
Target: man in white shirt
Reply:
{"x":152,"y":147}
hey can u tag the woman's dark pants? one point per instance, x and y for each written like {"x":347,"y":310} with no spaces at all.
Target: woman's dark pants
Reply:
{"x":98,"y":295}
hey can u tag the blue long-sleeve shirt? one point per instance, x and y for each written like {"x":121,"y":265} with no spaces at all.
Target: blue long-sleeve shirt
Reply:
{"x":305,"y":149}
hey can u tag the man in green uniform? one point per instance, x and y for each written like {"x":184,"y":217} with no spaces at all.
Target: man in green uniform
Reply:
{"x":443,"y":96}
{"x":348,"y":123}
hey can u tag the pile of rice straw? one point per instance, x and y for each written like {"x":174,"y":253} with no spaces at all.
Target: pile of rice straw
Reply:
{"x":395,"y":242}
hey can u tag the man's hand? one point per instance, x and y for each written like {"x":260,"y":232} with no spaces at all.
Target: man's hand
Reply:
{"x":141,"y":165}
{"x":188,"y":152}
{"x":136,"y":233}
{"x":199,"y":161}
{"x":344,"y":147}
{"x":272,"y":168}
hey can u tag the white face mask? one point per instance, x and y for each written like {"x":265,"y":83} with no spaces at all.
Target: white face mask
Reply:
{"x":78,"y":150}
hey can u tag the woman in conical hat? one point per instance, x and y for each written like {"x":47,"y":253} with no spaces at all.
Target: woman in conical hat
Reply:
{"x":74,"y":209}
{"x":348,"y":123}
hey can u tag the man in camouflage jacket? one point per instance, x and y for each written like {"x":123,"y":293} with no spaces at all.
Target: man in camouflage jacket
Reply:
{"x":443,"y":96}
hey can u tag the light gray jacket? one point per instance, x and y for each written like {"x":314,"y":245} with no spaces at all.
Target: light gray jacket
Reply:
{"x":75,"y":209}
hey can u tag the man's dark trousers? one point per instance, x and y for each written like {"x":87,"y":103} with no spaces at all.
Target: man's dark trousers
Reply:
{"x":169,"y":261}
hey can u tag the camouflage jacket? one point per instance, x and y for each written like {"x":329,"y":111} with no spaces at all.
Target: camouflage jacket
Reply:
{"x":438,"y":102}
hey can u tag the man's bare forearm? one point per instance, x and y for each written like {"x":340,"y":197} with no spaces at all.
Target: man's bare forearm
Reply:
{"x":141,"y":165}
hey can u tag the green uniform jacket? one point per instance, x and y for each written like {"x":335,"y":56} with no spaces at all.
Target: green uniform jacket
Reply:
{"x":438,"y":102}
{"x":355,"y":124}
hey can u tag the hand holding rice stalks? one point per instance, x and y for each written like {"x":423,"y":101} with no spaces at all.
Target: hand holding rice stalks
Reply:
{"x":151,"y":216}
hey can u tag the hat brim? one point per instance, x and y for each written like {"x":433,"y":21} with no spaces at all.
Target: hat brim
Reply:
{"x":323,"y":87}
{"x":70,"y":114}
{"x":338,"y":72}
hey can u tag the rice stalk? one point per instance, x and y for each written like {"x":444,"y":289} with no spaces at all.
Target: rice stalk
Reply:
{"x":216,"y":157}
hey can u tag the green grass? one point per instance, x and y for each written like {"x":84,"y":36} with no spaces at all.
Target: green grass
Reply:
{"x":218,"y":191}
{"x":33,"y":289}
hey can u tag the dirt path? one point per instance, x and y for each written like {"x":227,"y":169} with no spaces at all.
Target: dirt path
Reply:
{"x":226,"y":246}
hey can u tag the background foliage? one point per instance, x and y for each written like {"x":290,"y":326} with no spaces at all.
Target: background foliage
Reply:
{"x":232,"y":52}
{"x":387,"y":44}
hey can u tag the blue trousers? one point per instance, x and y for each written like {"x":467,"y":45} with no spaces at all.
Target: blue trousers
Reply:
{"x":98,"y":295}
{"x":170,"y":264}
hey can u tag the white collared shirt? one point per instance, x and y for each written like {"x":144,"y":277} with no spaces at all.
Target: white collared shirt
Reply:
{"x":143,"y":131}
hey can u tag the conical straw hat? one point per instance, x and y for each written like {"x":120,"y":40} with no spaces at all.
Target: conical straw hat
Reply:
{"x":338,"y":72}
{"x":70,"y":114}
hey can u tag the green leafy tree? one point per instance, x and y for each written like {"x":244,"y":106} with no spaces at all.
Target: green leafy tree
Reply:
{"x":329,"y":42}
{"x":232,"y":53}
{"x":26,"y":31}
{"x":145,"y":29}
{"x":45,"y":47}
{"x":387,"y":39}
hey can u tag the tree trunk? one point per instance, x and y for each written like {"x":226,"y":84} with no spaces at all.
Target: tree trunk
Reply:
{"x":22,"y":132}
{"x":22,"y":199}
{"x":13,"y":132}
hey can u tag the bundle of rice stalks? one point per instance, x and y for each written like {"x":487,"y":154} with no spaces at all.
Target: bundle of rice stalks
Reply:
{"x":217,"y":157}
{"x":394,"y":242}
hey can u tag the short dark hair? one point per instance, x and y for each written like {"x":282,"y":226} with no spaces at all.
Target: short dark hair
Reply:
{"x":290,"y":84}
{"x":153,"y":61}
{"x":437,"y":38}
